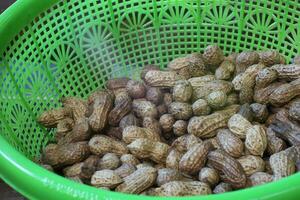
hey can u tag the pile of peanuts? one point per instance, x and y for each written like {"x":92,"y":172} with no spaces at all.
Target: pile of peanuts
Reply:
{"x":207,"y":124}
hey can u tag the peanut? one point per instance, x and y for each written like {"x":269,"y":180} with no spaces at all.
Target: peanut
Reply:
{"x":269,"y":58}
{"x":73,"y":170}
{"x":138,"y":181}
{"x":161,"y":78}
{"x":262,"y":95}
{"x":230,"y":143}
{"x":166,"y":175}
{"x":152,"y":124}
{"x":125,"y":170}
{"x":201,"y":80}
{"x":225,"y":70}
{"x":100,"y":144}
{"x":180,"y":110}
{"x":136,"y":89}
{"x":201,"y":107}
{"x":259,"y":178}
{"x":252,"y":164}
{"x":148,"y":68}
{"x":294,"y":110}
{"x":129,"y":120}
{"x":265,"y":77}
{"x":274,"y":144}
{"x":132,"y":133}
{"x":154,"y":95}
{"x":129,"y":159}
{"x":282,"y":165}
{"x":260,"y":112}
{"x":246,"y":59}
{"x":109,"y":161}
{"x":209,"y":176}
{"x":211,"y":86}
{"x":256,"y":140}
{"x":63,"y":127}
{"x":166,"y":122}
{"x":117,"y":83}
{"x":217,"y":99}
{"x":185,"y":142}
{"x":180,"y":127}
{"x":288,"y":72}
{"x":213,"y":56}
{"x":143,"y":108}
{"x":106,"y":178}
{"x":222,"y":187}
{"x":246,"y":112}
{"x":52,"y":117}
{"x":89,"y":166}
{"x":238,"y":125}
{"x":173,"y":158}
{"x":182,"y":91}
{"x":78,"y":107}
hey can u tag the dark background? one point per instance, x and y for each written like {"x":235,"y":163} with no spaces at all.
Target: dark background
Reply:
{"x":6,"y":193}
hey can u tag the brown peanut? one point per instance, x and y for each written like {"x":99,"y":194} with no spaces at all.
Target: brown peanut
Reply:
{"x":231,"y":169}
{"x":161,"y":78}
{"x":274,"y":144}
{"x":73,"y":170}
{"x":180,"y":127}
{"x":152,"y":124}
{"x":166,"y":175}
{"x":138,"y":181}
{"x":225,"y":70}
{"x":260,"y":112}
{"x":136,"y":89}
{"x":294,"y":110}
{"x":213,"y":56}
{"x":148,"y":68}
{"x":246,"y":59}
{"x":106,"y":178}
{"x":259,"y":178}
{"x":282,"y":165}
{"x":252,"y":164}
{"x":217,"y":99}
{"x":256,"y":140}
{"x":78,"y":107}
{"x":129,"y":120}
{"x":166,"y":122}
{"x":201,"y":80}
{"x":100,"y":144}
{"x":265,"y":77}
{"x":262,"y":95}
{"x":143,"y":108}
{"x":201,"y":107}
{"x":117,"y":83}
{"x":209,"y":176}
{"x":154,"y":95}
{"x":222,"y":187}
{"x":180,"y":110}
{"x":130,"y":159}
{"x":288,"y":72}
{"x":108,"y":161}
{"x":182,"y":91}
{"x":52,"y":117}
{"x":125,"y":170}
{"x":238,"y":125}
{"x":246,"y":112}
{"x":132,"y":133}
{"x":63,"y":127}
{"x":173,"y":158}
{"x":89,"y":166}
{"x":201,"y":92}
{"x":230,"y":143}
{"x":185,"y":142}
{"x":269,"y":58}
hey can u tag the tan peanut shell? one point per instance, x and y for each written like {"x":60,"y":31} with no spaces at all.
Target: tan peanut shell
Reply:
{"x":204,"y":125}
{"x":246,"y":59}
{"x":100,"y":144}
{"x":201,"y":92}
{"x":285,"y":92}
{"x":213,"y":56}
{"x":232,"y":99}
{"x":230,"y":143}
{"x":197,"y":66}
{"x":217,"y":99}
{"x":109,"y":161}
{"x":259,"y":178}
{"x":73,"y":170}
{"x":269,"y":57}
{"x":154,"y":95}
{"x":180,"y":66}
{"x":248,"y":83}
{"x":282,"y":165}
{"x":194,"y":159}
{"x":260,"y":112}
{"x":238,"y":125}
{"x":231,"y":169}
{"x":225,"y":70}
{"x":117,"y":83}
{"x":256,"y":140}
{"x":294,"y":110}
{"x":78,"y":107}
{"x":180,"y":188}
{"x":152,"y":124}
{"x":106,"y":178}
{"x":180,"y":127}
{"x":63,"y":127}
{"x":288,"y":72}
{"x":209,"y":176}
{"x":252,"y":164}
{"x":125,"y":170}
{"x":89,"y":166}
{"x":166,"y":122}
{"x":145,"y":148}
{"x":138,"y":181}
{"x":222,"y":187}
{"x":132,"y":133}
{"x":173,"y":158}
{"x":102,"y":103}
{"x":246,"y":112}
{"x":180,"y":110}
{"x":161,"y":78}
{"x":201,"y":80}
{"x":237,"y":81}
{"x":265,"y":77}
{"x":143,"y":108}
{"x":130,"y":159}
{"x":129,"y":120}
{"x":148,"y":68}
{"x":52,"y":117}
{"x":136,"y":89}
{"x":274,"y":143}
{"x":201,"y":107}
{"x":185,"y":142}
{"x":166,"y":175}
{"x":262,"y":95}
{"x":182,"y":91}
{"x":145,"y":164}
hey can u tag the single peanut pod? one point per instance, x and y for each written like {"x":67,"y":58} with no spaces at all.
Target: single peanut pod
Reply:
{"x":213,"y":56}
{"x":166,"y":122}
{"x":282,"y":165}
{"x":252,"y":164}
{"x":214,"y":142}
{"x":180,"y":66}
{"x":293,"y":153}
{"x":237,"y":81}
{"x":89,"y":167}
{"x":256,"y":140}
{"x":168,"y":99}
{"x":274,"y":143}
{"x":246,"y":59}
{"x":143,"y":108}
{"x":154,"y":95}
{"x":265,"y":77}
{"x":166,"y":175}
{"x":63,"y":128}
{"x":68,"y":154}
{"x":129,"y":120}
{"x":285,"y":92}
{"x":201,"y":107}
{"x":260,"y":178}
{"x":201,"y":80}
{"x":145,"y":148}
{"x":262,"y":95}
{"x":225,"y":70}
{"x":173,"y":158}
{"x":78,"y":107}
{"x":204,"y":125}
{"x":260,"y":112}
{"x":122,"y":107}
{"x":180,"y":188}
{"x":138,"y":181}
{"x":52,"y":117}
{"x":231,"y":169}
{"x":80,"y":132}
{"x":102,"y":104}
{"x":180,"y":110}
{"x":136,"y":89}
{"x":232,"y":99}
{"x":132,"y":133}
{"x":106,"y":178}
{"x":109,"y":161}
{"x":182,"y":91}
{"x":217,"y":99}
{"x":246,"y":112}
{"x":130,"y":159}
{"x":209,"y":176}
{"x":222,"y":187}
{"x":288,"y":72}
{"x":148,"y":68}
{"x":209,"y":87}
{"x":180,"y":127}
{"x":161,"y":78}
{"x":117,"y":83}
{"x":269,"y":57}
{"x":238,"y":125}
{"x":232,"y":57}
{"x":248,"y":83}
{"x":294,"y":110}
{"x":185,"y":142}
{"x":100,"y":144}
{"x":230,"y":143}
{"x":152,"y":124}
{"x":194,"y":159}
{"x":73,"y":170}
{"x":196,"y":65}
{"x":125,"y":170}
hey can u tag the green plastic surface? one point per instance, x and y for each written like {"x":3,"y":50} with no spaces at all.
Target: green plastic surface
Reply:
{"x":52,"y":48}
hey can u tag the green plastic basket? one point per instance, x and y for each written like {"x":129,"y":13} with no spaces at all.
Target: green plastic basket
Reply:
{"x":52,"y":48}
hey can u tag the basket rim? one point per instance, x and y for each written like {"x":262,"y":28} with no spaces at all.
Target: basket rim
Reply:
{"x":35,"y":182}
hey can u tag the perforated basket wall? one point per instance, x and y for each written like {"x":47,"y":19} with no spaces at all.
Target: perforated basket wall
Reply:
{"x":74,"y":46}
